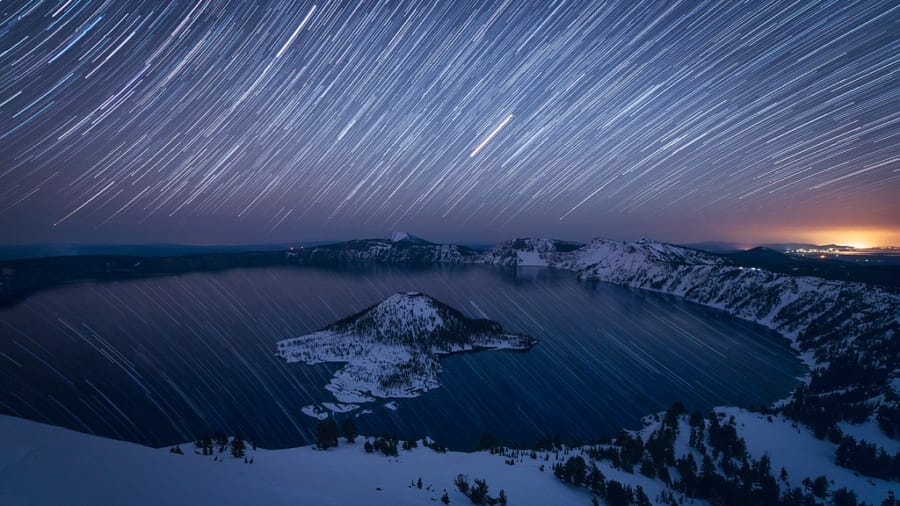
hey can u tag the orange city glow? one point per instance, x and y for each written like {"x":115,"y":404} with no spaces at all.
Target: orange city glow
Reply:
{"x":858,"y":237}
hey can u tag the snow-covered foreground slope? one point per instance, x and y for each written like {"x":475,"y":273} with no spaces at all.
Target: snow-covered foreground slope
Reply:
{"x":391,"y":348}
{"x":801,"y":454}
{"x":786,"y":445}
{"x":45,"y":465}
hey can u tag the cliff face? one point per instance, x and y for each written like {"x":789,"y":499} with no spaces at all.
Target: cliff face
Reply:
{"x":406,"y":250}
{"x":846,"y":331}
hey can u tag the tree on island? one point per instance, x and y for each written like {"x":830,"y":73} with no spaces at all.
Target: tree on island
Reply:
{"x":327,"y":434}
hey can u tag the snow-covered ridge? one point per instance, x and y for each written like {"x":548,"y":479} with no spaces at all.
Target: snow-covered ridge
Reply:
{"x":400,"y":248}
{"x":531,"y":252}
{"x":391,"y":348}
{"x":787,"y":304}
{"x":795,"y":306}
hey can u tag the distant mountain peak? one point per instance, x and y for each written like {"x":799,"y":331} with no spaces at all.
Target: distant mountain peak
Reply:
{"x":399,"y":236}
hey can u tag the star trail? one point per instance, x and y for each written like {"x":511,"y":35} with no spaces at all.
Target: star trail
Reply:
{"x":235,"y":121}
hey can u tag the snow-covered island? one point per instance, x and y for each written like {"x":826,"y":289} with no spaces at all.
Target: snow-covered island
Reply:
{"x":392,"y":349}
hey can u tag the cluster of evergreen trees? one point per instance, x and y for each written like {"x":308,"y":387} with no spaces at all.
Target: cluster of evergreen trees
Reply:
{"x":416,"y":367}
{"x":327,"y":437}
{"x":236,"y":444}
{"x":477,"y":492}
{"x":868,"y":459}
{"x":327,"y":433}
{"x":383,"y":444}
{"x":837,"y":393}
{"x":888,"y":417}
{"x":854,"y":374}
{"x":822,"y":404}
{"x":576,"y":472}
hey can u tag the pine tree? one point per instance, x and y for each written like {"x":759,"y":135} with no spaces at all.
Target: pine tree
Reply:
{"x":844,"y":497}
{"x":327,"y":434}
{"x":462,"y":483}
{"x":820,"y":486}
{"x":237,"y":447}
{"x":479,"y":492}
{"x":640,"y":497}
{"x":349,"y":430}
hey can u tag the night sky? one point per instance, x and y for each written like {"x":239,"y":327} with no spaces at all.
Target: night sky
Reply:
{"x":245,"y":122}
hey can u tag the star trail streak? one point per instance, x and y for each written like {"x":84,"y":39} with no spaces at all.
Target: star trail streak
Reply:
{"x":236,"y":121}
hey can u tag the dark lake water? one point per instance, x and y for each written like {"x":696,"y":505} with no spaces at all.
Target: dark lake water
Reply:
{"x":163,"y":360}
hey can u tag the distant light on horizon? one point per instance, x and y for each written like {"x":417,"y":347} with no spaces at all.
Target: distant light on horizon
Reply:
{"x":857,"y":237}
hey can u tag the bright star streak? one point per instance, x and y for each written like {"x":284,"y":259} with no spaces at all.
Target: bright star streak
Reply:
{"x":491,"y":136}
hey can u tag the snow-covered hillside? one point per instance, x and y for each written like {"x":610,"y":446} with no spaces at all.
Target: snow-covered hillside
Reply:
{"x":801,"y":454}
{"x":732,"y":454}
{"x":89,"y":470}
{"x":49,"y":466}
{"x":788,"y":304}
{"x":391,"y":348}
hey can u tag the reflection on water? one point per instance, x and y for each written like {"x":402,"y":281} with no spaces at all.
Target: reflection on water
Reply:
{"x":163,"y":360}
